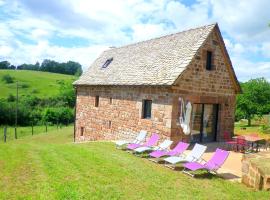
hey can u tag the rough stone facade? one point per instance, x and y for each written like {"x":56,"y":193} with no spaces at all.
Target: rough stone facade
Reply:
{"x":256,"y":170}
{"x":119,"y":114}
{"x":199,"y":85}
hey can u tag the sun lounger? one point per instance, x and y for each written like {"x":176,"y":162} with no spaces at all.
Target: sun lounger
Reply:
{"x":151,"y":142}
{"x":177,"y":150}
{"x":139,"y":139}
{"x":195,"y":155}
{"x":212,"y":165}
{"x":162,"y":146}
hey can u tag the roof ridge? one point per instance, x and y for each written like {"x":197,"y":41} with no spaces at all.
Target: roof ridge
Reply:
{"x":164,"y":36}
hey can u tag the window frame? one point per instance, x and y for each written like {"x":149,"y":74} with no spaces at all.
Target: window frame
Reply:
{"x":209,"y":60}
{"x":107,"y":63}
{"x":145,"y":109}
{"x":96,"y":101}
{"x":82,"y":131}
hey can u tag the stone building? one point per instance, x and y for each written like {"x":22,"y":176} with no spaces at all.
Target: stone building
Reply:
{"x":138,"y":86}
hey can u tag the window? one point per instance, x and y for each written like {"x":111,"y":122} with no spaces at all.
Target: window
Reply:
{"x":110,"y":124}
{"x":108,"y":61}
{"x":82,"y":131}
{"x":110,"y":100}
{"x":97,"y":101}
{"x":147,"y":108}
{"x":209,"y":60}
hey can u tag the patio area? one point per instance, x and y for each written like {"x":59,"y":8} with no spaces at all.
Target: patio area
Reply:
{"x":231,"y":169}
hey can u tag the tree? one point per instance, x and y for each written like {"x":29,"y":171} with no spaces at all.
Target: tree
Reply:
{"x":255,"y":99}
{"x":66,"y":94}
{"x":12,"y":67}
{"x":34,"y":67}
{"x":4,"y":65}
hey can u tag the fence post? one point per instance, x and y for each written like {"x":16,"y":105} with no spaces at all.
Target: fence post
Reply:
{"x":46,"y":127}
{"x":32,"y":129}
{"x":5,"y":134}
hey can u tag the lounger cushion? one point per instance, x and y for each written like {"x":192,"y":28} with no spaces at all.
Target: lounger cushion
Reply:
{"x":175,"y":159}
{"x":158,"y":153}
{"x":133,"y":146}
{"x":193,"y":166}
{"x":122,"y":142}
{"x":142,"y":149}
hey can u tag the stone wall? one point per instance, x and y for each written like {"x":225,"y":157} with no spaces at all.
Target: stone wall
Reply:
{"x":119,"y":114}
{"x":203,"y":86}
{"x":256,"y":170}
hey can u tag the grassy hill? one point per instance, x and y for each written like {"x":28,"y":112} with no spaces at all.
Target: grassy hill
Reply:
{"x":41,"y":84}
{"x":50,"y":166}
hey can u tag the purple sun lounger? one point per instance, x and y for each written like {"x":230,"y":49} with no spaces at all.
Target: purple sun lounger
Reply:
{"x":177,"y":150}
{"x":212,"y":165}
{"x":151,"y":142}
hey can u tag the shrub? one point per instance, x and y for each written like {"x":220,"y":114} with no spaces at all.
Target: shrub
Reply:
{"x":7,"y":79}
{"x":55,"y":115}
{"x":265,"y":129}
{"x":11,"y":98}
{"x":35,"y":91}
{"x":24,"y":85}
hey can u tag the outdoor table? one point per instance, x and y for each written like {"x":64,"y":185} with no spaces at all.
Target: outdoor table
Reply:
{"x":252,"y":140}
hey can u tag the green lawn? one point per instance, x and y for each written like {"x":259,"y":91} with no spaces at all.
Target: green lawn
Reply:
{"x":242,"y":128}
{"x":42,"y":84}
{"x":50,"y":166}
{"x":23,"y":131}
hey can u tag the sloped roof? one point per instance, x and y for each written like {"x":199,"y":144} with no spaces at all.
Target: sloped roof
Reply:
{"x":158,"y":61}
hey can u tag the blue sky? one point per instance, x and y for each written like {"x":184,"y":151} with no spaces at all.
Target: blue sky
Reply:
{"x":34,"y":30}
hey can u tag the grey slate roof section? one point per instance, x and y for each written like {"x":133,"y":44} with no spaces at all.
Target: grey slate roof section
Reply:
{"x":158,"y":61}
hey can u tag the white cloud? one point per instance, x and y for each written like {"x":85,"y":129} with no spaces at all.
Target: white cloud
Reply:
{"x":30,"y":25}
{"x":245,"y":21}
{"x":266,"y":49}
{"x":42,"y":50}
{"x":248,"y":69}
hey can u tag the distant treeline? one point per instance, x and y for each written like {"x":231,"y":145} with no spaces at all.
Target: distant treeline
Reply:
{"x":70,"y":67}
{"x":33,"y":110}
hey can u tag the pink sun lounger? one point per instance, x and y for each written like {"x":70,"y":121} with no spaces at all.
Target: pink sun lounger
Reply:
{"x":177,"y":150}
{"x":153,"y":140}
{"x":212,"y":165}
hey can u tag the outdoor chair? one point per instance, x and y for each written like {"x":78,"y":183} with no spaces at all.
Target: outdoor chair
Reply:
{"x":241,"y":143}
{"x":195,"y":155}
{"x":139,"y":139}
{"x":264,"y":144}
{"x":152,"y":141}
{"x":211,"y":166}
{"x":228,"y":141}
{"x":177,"y":150}
{"x":162,"y":146}
{"x":257,"y":145}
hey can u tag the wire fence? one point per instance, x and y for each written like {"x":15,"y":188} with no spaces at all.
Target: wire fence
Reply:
{"x":7,"y":133}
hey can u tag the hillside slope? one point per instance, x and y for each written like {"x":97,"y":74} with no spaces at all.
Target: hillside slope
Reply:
{"x":50,"y":166}
{"x":41,"y":84}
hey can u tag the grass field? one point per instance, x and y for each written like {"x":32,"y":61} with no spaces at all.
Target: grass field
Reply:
{"x":42,"y":84}
{"x":50,"y":166}
{"x":24,"y":131}
{"x":241,"y":127}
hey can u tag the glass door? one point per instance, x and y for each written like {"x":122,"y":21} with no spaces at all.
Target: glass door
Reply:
{"x":204,"y":122}
{"x":196,"y":118}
